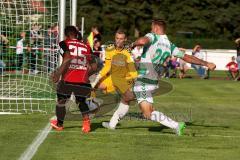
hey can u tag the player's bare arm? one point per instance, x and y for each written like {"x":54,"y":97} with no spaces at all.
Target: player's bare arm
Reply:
{"x":92,"y":67}
{"x":62,"y":69}
{"x":194,"y":60}
{"x":140,"y":42}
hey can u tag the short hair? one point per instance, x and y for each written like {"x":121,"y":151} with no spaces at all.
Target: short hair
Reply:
{"x":121,"y":31}
{"x":71,"y":31}
{"x":160,"y":22}
{"x":198,"y":45}
{"x":95,"y":27}
{"x":237,"y":41}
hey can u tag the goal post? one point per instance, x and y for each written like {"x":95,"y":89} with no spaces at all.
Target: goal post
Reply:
{"x":29,"y":34}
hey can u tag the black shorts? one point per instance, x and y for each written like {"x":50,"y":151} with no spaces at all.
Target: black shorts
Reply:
{"x":81,"y":91}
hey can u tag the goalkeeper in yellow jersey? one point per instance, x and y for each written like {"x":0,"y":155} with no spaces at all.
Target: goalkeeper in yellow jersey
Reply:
{"x":117,"y":74}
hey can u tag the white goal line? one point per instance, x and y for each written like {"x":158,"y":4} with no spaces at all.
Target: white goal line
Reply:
{"x":9,"y":113}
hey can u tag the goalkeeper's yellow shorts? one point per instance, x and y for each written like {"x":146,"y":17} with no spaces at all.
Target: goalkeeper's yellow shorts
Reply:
{"x":116,"y":84}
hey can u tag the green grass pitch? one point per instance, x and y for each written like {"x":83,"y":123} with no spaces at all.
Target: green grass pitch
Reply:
{"x":210,"y":107}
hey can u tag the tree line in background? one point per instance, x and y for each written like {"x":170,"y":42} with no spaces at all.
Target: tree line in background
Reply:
{"x":206,"y":19}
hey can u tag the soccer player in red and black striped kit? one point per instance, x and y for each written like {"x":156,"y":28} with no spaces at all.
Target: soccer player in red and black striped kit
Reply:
{"x":72,"y":77}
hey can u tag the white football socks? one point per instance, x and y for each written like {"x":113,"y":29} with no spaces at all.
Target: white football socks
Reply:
{"x":163,"y":119}
{"x":118,"y":114}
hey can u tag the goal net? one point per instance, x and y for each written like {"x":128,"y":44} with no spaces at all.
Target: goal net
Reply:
{"x":28,"y":54}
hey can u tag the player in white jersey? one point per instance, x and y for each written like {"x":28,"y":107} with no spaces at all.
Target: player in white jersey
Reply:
{"x":157,"y":51}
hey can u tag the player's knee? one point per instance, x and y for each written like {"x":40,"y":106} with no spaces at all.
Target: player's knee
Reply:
{"x":146,"y":111}
{"x":128,"y":96}
{"x":147,"y":114}
{"x":127,"y":99}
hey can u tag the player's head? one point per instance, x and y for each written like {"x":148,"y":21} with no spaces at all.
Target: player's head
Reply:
{"x":158,"y":26}
{"x":233,"y":58}
{"x":71,"y":32}
{"x":198,"y":47}
{"x":120,"y":38}
{"x":97,"y":44}
{"x":237,"y":41}
{"x":22,"y":34}
{"x":95,"y":29}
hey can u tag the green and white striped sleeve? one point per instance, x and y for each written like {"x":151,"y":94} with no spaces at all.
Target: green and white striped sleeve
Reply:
{"x":176,"y":52}
{"x":152,"y":37}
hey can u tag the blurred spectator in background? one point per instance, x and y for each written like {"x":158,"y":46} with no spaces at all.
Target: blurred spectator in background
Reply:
{"x":97,"y":48}
{"x":3,"y":38}
{"x":233,"y":69}
{"x":20,"y":50}
{"x":47,"y":49}
{"x":54,"y":56}
{"x":238,"y":53}
{"x":200,"y":69}
{"x":33,"y":57}
{"x":51,"y":42}
{"x":93,"y":36}
{"x":4,"y":43}
{"x":98,"y":53}
{"x":2,"y":66}
{"x":35,"y":33}
{"x":164,"y":69}
{"x":183,"y":68}
{"x":237,"y":41}
{"x":36,"y":47}
{"x":55,"y":35}
{"x":96,"y":33}
{"x":174,"y":66}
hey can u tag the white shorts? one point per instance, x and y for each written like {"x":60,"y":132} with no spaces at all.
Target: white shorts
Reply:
{"x":144,"y":91}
